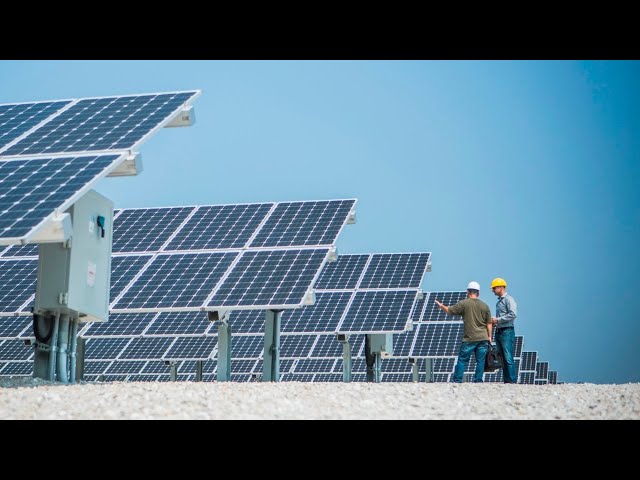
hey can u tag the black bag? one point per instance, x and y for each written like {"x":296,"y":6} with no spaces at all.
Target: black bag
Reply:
{"x":493,"y":361}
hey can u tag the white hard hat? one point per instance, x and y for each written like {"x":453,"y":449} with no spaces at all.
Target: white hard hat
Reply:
{"x":473,"y":286}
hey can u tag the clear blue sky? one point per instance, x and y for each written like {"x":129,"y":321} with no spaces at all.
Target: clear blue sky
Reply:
{"x":526,"y":170}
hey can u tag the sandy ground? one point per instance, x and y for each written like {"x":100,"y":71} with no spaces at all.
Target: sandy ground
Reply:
{"x":293,"y":400}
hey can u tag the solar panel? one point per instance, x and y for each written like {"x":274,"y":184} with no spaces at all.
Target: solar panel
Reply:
{"x":104,"y":348}
{"x":542,"y":370}
{"x":396,"y":365}
{"x":402,"y":343}
{"x":191,"y":348}
{"x":28,"y":250}
{"x":379,"y":311}
{"x":175,"y":281}
{"x":15,"y":350}
{"x":270,"y":278}
{"x":307,"y":365}
{"x":527,"y":378}
{"x":120,"y":325}
{"x":441,"y":365}
{"x":553,"y":377}
{"x":179,"y":323}
{"x":220,"y":226}
{"x":327,"y":346}
{"x":529,"y":360}
{"x":142,"y":378}
{"x":519,"y":345}
{"x":322,"y":317}
{"x":96,"y":367}
{"x":17,"y":283}
{"x":247,"y":321}
{"x":125,"y":367}
{"x":123,"y":270}
{"x":155,"y":367}
{"x":397,"y":377}
{"x":146,"y":229}
{"x":344,"y":273}
{"x":437,"y":340}
{"x":18,"y":118}
{"x":146,"y":348}
{"x":432,"y":313}
{"x":247,"y":347}
{"x":32,"y":190}
{"x":98,"y":124}
{"x":327,"y":377}
{"x":296,"y":346}
{"x":17,"y":369}
{"x":242,"y":366}
{"x":208,"y":367}
{"x":304,"y":224}
{"x":297,"y":377}
{"x":441,"y":377}
{"x":402,"y":270}
{"x":12,"y":327}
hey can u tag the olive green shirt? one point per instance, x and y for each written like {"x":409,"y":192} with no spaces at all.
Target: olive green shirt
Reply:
{"x":476,"y":315}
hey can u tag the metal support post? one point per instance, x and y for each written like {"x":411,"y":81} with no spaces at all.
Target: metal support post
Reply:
{"x":428,"y":370}
{"x":199,"y":364}
{"x":46,"y":347}
{"x":415,"y":371}
{"x":346,"y":358}
{"x":63,"y":345}
{"x":173,"y":372}
{"x":73,"y":344}
{"x":80,"y":359}
{"x":224,"y":352}
{"x":271,"y":357}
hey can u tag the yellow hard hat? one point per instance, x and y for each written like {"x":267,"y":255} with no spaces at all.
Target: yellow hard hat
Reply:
{"x":498,"y":282}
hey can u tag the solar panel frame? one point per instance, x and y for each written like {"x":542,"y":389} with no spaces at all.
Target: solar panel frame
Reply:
{"x":13,"y":150}
{"x":66,"y":192}
{"x":182,"y":324}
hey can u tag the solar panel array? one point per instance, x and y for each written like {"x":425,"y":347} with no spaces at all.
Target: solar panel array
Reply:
{"x":150,"y":274}
{"x":51,"y":153}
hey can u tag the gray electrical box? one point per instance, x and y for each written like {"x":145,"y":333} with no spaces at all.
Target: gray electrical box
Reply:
{"x":381,"y":343}
{"x":74,"y":277}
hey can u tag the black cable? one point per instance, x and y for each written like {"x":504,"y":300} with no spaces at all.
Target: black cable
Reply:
{"x":36,"y":331}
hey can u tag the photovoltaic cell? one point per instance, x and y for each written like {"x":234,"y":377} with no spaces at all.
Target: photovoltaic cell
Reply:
{"x":379,"y":311}
{"x":314,"y":366}
{"x":17,"y":119}
{"x":242,"y":366}
{"x":96,"y":368}
{"x":296,"y":346}
{"x":142,"y":378}
{"x":15,"y":350}
{"x":397,"y":377}
{"x":437,"y":340}
{"x":94,"y":124}
{"x":246,"y":321}
{"x":12,"y":327}
{"x":527,"y":378}
{"x":402,"y":343}
{"x":120,"y":324}
{"x":104,"y":348}
{"x":327,"y":377}
{"x":191,"y":348}
{"x":519,"y":345}
{"x":179,"y":323}
{"x":402,"y":270}
{"x":125,"y":367}
{"x":146,"y":348}
{"x":32,"y":189}
{"x":123,"y":271}
{"x":17,"y":368}
{"x":444,"y":365}
{"x":297,"y":377}
{"x":396,"y":365}
{"x":431,"y":311}
{"x":247,"y":347}
{"x":327,"y":346}
{"x":270,"y":278}
{"x":542,"y":370}
{"x":28,"y":250}
{"x":17,"y":283}
{"x":529,"y":360}
{"x":323,"y":316}
{"x":156,"y":366}
{"x":220,"y":226}
{"x":553,"y":377}
{"x":176,"y":280}
{"x":344,"y":273}
{"x":146,"y":229}
{"x":304,"y":224}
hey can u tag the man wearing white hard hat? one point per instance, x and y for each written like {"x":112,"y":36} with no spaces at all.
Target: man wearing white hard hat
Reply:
{"x":477,"y":331}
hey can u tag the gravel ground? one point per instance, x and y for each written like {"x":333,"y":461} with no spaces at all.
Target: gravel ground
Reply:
{"x":29,"y":399}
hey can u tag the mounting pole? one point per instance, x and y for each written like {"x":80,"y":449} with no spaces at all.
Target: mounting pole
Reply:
{"x":46,"y":347}
{"x":375,"y":345}
{"x":80,"y":348}
{"x":271,"y":357}
{"x":415,"y":371}
{"x":173,"y":372}
{"x":346,"y":357}
{"x":199,"y":364}
{"x":428,"y":370}
{"x":224,"y":352}
{"x":73,"y":347}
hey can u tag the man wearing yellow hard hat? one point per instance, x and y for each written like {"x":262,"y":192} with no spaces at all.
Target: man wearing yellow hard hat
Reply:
{"x":506,"y":313}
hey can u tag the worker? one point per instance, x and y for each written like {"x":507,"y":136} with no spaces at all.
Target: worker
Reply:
{"x":506,"y":313}
{"x":477,"y":331}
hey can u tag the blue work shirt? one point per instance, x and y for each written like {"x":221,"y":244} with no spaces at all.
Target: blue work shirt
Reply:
{"x":506,"y":311}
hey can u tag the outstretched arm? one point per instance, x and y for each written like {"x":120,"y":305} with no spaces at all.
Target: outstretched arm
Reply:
{"x":442,"y":306}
